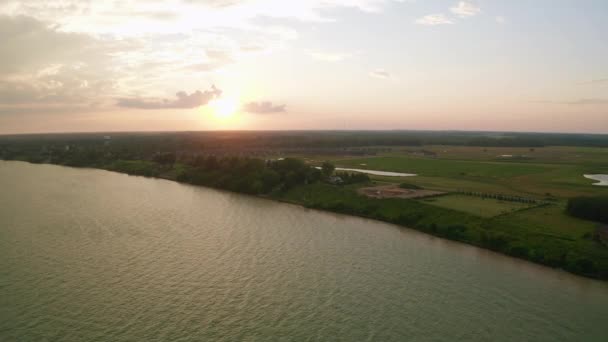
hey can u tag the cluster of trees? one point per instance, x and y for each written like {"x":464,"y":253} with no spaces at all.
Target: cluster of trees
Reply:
{"x":256,"y":176}
{"x":500,"y":197}
{"x":249,"y":175}
{"x":328,"y":170}
{"x":352,"y":177}
{"x":505,"y":142}
{"x":589,"y":208}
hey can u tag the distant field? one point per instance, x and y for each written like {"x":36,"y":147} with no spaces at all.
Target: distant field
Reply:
{"x":554,"y":171}
{"x":445,"y":168}
{"x":552,"y":154}
{"x":476,"y":205}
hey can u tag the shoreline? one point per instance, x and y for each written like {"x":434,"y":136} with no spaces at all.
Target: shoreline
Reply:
{"x":303,"y":204}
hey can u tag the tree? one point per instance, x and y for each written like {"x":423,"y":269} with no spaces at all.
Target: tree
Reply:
{"x":327,"y":169}
{"x":590,"y":208}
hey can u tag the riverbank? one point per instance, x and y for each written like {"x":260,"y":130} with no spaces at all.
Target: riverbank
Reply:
{"x":501,"y":234}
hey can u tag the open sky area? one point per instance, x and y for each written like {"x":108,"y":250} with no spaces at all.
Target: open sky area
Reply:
{"x":151,"y":65}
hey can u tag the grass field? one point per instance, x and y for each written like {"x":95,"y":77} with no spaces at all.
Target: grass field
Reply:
{"x":552,"y":154}
{"x":478,"y":206}
{"x":561,"y":177}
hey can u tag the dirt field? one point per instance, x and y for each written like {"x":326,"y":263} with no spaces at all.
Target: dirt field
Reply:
{"x":394,"y":191}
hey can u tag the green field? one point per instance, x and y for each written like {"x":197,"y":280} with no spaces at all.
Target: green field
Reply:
{"x":561,"y":178}
{"x":483,"y":207}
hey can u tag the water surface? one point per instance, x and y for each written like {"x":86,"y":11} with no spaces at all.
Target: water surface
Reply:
{"x":378,"y":173}
{"x":602,"y":179}
{"x":90,"y":255}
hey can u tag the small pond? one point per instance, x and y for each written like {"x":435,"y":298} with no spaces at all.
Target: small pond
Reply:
{"x":602,"y":179}
{"x":378,"y":173}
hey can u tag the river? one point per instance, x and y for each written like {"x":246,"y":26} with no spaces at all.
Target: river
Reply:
{"x":91,"y":255}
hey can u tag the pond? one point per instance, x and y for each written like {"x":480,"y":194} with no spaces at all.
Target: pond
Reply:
{"x":378,"y":173}
{"x":602,"y":179}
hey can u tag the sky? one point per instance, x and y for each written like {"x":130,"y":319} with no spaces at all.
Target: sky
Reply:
{"x":153,"y":65}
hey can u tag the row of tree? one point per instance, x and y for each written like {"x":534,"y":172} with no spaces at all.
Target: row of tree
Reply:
{"x":589,"y":208}
{"x":500,"y":197}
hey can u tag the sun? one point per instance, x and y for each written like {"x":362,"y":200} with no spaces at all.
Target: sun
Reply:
{"x":224,"y":108}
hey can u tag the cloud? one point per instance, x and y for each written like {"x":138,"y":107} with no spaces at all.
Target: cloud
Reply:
{"x":183,"y":100}
{"x":434,"y":19}
{"x":186,"y":15}
{"x":219,"y":55}
{"x":76,"y":53}
{"x":380,"y":73}
{"x":216,"y":3}
{"x":597,"y":81}
{"x":501,"y":20}
{"x":216,"y":59}
{"x":590,"y":101}
{"x":465,"y":9}
{"x":329,"y":56}
{"x":58,"y":84}
{"x":41,"y":64}
{"x":204,"y":67}
{"x":264,"y":107}
{"x":28,"y":43}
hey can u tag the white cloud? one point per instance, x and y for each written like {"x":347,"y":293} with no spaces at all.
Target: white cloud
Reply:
{"x":79,"y":52}
{"x":380,"y":73}
{"x":140,"y":17}
{"x":434,"y":19}
{"x":597,"y":81}
{"x":39,"y":64}
{"x":589,"y":101}
{"x":501,"y":20}
{"x":329,"y":56}
{"x":465,"y":9}
{"x":264,"y":107}
{"x":183,"y":100}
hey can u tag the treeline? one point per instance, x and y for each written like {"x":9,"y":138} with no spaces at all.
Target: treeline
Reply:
{"x":139,"y":145}
{"x":233,"y":173}
{"x":500,"y":197}
{"x":248,"y":175}
{"x":505,"y":142}
{"x":589,"y":208}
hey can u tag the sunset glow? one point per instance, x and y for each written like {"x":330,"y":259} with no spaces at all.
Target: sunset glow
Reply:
{"x":224,"y":108}
{"x":314,"y":64}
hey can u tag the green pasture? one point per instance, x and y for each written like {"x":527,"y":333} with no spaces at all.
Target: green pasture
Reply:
{"x":551,"y":154}
{"x":483,"y":207}
{"x":538,"y":180}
